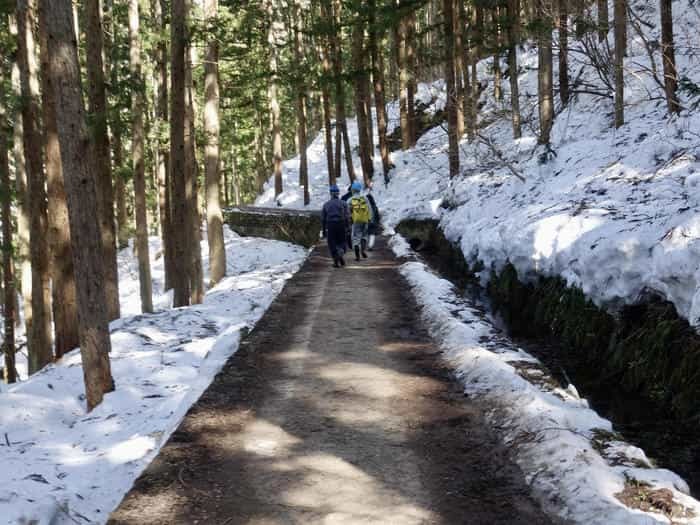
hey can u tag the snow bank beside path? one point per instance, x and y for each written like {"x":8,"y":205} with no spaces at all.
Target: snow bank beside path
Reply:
{"x":551,"y":430}
{"x":63,"y":465}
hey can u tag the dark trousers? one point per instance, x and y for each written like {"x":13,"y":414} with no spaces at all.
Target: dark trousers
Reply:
{"x":336,"y":239}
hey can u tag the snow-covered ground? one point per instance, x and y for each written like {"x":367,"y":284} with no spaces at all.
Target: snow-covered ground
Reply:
{"x":613,"y":211}
{"x":60,"y":463}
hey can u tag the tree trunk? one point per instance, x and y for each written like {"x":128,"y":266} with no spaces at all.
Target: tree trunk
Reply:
{"x":261,"y":165}
{"x":468,"y":104}
{"x":82,"y":201}
{"x":620,"y":22}
{"x":39,"y":333}
{"x":453,"y":153}
{"x":563,"y":52}
{"x":97,"y":113}
{"x":326,"y":98}
{"x":340,"y":121}
{"x":544,"y":72}
{"x":497,"y":74}
{"x":460,"y":63}
{"x":513,"y":31}
{"x":192,"y":171}
{"x":579,"y":18}
{"x":669,"y":57}
{"x":603,"y":22}
{"x":63,"y":294}
{"x":411,"y":86}
{"x":8,"y":277}
{"x":301,"y":104}
{"x":137,"y":146}
{"x":478,"y":44}
{"x":215,"y":229}
{"x":375,"y":35}
{"x":402,"y":64}
{"x":159,"y":7}
{"x":22,"y":206}
{"x":359,"y":79}
{"x":273,"y":99}
{"x":179,"y":208}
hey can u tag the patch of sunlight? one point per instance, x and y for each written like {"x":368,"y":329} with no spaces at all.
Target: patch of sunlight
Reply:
{"x":371,"y":380}
{"x":557,"y":233}
{"x":347,"y":494}
{"x":265,"y":439}
{"x":132,"y":449}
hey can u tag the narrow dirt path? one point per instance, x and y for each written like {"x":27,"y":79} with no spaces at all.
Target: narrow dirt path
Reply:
{"x":336,"y":409}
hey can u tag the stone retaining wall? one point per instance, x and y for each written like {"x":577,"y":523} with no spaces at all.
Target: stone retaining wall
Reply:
{"x":295,"y":226}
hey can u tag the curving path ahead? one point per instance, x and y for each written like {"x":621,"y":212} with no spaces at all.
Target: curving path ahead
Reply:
{"x":336,"y":409}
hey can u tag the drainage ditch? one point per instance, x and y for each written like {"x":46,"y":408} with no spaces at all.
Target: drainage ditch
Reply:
{"x":640,"y":368}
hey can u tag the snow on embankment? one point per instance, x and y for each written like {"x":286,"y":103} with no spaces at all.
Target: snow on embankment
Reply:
{"x":60,"y":463}
{"x":568,"y":453}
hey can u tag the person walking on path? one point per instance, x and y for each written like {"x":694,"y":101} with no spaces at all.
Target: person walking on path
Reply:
{"x":334,"y":222}
{"x":375,"y":225}
{"x":361,"y":216}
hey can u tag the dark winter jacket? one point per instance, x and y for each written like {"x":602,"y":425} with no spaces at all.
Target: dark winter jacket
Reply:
{"x":335,"y":210}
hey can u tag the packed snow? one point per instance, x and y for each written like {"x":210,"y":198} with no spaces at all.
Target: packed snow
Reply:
{"x":64,"y":465}
{"x":612,"y":211}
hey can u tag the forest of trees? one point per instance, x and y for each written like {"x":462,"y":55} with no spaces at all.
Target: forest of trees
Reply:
{"x":130,"y":118}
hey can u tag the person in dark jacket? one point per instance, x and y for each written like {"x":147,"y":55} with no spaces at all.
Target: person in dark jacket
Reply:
{"x":335,"y":221}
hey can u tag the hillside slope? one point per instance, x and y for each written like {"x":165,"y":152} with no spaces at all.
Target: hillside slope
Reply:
{"x":614,"y":211}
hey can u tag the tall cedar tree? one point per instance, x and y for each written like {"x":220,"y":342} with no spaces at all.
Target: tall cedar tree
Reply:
{"x":64,"y":300}
{"x":544,"y":70}
{"x":563,"y":52}
{"x":81,"y":193}
{"x":138,"y":158}
{"x":453,"y":152}
{"x":326,"y":73}
{"x":191,"y":176}
{"x":39,"y":325}
{"x":411,"y":87}
{"x":603,"y":21}
{"x":97,"y":109}
{"x":8,"y":278}
{"x":669,"y":56}
{"x":620,"y":21}
{"x":400,"y":31}
{"x":274,"y":98}
{"x":301,"y":98}
{"x":359,"y":81}
{"x":375,"y":36}
{"x":179,"y":208}
{"x":513,"y":16}
{"x":340,"y":120}
{"x":158,"y":8}
{"x":22,"y":205}
{"x":215,"y":228}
